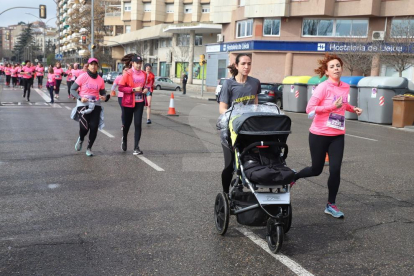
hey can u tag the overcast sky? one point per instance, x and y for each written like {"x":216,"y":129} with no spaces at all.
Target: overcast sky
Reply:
{"x":14,"y":16}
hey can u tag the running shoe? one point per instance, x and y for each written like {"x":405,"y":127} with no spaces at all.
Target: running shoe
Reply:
{"x":137,"y":151}
{"x":24,"y":95}
{"x":124,"y":144}
{"x":332,"y":210}
{"x":78,"y":145}
{"x":89,"y":152}
{"x":148,"y":121}
{"x":68,"y":96}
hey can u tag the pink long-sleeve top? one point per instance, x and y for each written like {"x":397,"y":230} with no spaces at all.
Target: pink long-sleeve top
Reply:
{"x":322,"y":103}
{"x":116,"y":84}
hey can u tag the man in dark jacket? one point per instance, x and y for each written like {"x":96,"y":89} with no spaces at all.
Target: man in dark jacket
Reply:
{"x":184,"y":83}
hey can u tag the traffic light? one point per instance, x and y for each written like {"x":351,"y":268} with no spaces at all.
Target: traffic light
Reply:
{"x":202,"y":60}
{"x":42,"y":11}
{"x":93,"y":46}
{"x":7,"y":35}
{"x":84,"y":39}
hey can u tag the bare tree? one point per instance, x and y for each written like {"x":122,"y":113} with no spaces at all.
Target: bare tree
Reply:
{"x":141,"y":48}
{"x":181,"y":52}
{"x":397,"y":48}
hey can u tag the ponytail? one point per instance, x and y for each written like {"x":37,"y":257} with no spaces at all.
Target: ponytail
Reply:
{"x":126,"y":60}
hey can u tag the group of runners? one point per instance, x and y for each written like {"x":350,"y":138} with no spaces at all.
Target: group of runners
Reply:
{"x":326,"y":107}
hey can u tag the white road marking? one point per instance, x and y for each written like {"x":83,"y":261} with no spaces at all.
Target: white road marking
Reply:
{"x":53,"y":186}
{"x":361,"y":137}
{"x":292,"y":265}
{"x":107,"y":133}
{"x":152,"y":164}
{"x":43,"y":95}
{"x":68,"y":108}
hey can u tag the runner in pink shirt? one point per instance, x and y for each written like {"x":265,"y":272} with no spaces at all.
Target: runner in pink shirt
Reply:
{"x":68,"y":74}
{"x":51,"y":83}
{"x":88,"y":109}
{"x":13,"y":74}
{"x":327,"y":107}
{"x":27,"y":73}
{"x":58,"y":71}
{"x":7,"y":72}
{"x":40,"y":70}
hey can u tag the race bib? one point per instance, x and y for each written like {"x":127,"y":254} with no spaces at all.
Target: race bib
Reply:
{"x":90,"y":98}
{"x":57,"y":76}
{"x":139,"y":98}
{"x":336,"y":121}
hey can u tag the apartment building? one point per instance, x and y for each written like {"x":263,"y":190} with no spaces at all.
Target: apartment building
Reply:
{"x":171,"y":35}
{"x":287,"y":37}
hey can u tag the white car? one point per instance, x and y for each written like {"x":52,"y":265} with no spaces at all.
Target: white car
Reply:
{"x":218,"y":88}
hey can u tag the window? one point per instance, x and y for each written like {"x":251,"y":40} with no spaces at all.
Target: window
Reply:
{"x":222,"y":68}
{"x":147,"y":7}
{"x":402,"y":28}
{"x":335,"y":28}
{"x":271,"y":27}
{"x":198,"y":40}
{"x":169,"y":8}
{"x":183,"y":40}
{"x":188,"y":8}
{"x":205,"y":8}
{"x":127,"y":6}
{"x":127,"y":29}
{"x":242,"y":3}
{"x":180,"y":69}
{"x":244,"y":28}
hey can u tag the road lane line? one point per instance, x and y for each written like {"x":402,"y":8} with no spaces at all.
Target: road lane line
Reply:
{"x":107,"y":133}
{"x":152,"y":164}
{"x":43,"y":95}
{"x":362,"y":137}
{"x":68,"y":108}
{"x":292,"y":265}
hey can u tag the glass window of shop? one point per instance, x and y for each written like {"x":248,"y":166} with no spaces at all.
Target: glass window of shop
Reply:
{"x":222,"y":69}
{"x":164,"y":69}
{"x":271,"y":27}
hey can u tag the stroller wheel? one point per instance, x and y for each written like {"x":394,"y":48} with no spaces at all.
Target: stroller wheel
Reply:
{"x":274,"y":235}
{"x":288,"y":221}
{"x":221,"y":213}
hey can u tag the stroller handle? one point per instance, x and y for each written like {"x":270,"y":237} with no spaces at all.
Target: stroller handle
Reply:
{"x":264,"y":144}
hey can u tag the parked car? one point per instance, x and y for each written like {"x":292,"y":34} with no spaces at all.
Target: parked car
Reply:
{"x":218,"y":88}
{"x":166,"y":84}
{"x":271,"y":92}
{"x":112,"y":76}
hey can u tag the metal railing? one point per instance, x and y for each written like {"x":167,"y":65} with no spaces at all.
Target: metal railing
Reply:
{"x":112,"y":14}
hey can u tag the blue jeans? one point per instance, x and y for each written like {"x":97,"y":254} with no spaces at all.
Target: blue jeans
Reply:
{"x":51,"y":94}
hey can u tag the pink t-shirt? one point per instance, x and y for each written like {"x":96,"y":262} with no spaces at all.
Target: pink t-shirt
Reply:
{"x":89,"y":86}
{"x":328,"y":117}
{"x":116,"y":82}
{"x":28,"y":70}
{"x":40,"y":71}
{"x":13,"y":72}
{"x":75,"y":74}
{"x":19,"y":69}
{"x":68,"y":75}
{"x":58,"y":73}
{"x":7,"y":71}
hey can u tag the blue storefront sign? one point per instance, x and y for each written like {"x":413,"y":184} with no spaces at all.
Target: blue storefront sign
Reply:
{"x":298,"y":46}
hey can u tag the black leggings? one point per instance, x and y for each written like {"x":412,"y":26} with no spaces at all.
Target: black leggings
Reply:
{"x":89,"y":122}
{"x":122,"y":110}
{"x":135,"y":112}
{"x":40,"y":80}
{"x":14,"y":81}
{"x":227,"y":173}
{"x":320,"y":145}
{"x":8,"y":79}
{"x":69,"y":83}
{"x":58,"y":82}
{"x":27,"y":84}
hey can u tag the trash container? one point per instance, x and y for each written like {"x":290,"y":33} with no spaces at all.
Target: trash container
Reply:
{"x":295,"y":93}
{"x":375,"y":97}
{"x":353,"y":94}
{"x":403,"y":108}
{"x":313,"y":83}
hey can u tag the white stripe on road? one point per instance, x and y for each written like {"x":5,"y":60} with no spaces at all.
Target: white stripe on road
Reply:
{"x":152,"y":164}
{"x":67,"y":107}
{"x":292,"y":265}
{"x":42,"y":94}
{"x":107,"y":133}
{"x":361,"y":137}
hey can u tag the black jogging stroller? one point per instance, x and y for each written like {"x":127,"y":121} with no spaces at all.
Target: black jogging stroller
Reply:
{"x":260,"y":190}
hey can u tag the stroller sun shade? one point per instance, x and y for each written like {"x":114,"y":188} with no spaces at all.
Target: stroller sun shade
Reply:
{"x":259,"y":123}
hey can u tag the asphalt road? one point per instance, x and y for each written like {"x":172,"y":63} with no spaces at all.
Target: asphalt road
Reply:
{"x":63,"y":213}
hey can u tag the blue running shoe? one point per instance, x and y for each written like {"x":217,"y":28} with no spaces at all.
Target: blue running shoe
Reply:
{"x":78,"y":145}
{"x":89,"y":152}
{"x":332,"y":210}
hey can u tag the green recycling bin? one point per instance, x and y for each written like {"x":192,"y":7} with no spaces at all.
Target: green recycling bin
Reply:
{"x":295,"y":93}
{"x":313,"y":83}
{"x":375,"y":97}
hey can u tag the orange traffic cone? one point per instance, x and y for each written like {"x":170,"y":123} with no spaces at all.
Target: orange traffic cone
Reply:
{"x":171,"y":110}
{"x":327,"y":160}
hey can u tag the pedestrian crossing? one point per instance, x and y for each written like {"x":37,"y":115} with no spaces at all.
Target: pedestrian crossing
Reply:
{"x":30,"y":104}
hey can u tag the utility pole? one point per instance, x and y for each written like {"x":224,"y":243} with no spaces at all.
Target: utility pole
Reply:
{"x":92,"y":29}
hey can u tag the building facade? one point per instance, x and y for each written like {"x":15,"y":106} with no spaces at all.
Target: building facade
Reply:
{"x":287,"y":37}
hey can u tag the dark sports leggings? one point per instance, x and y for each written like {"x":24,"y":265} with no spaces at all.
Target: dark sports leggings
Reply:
{"x":122,"y":110}
{"x":8,"y":79}
{"x":227,"y":173}
{"x":135,"y":112}
{"x":320,"y":145}
{"x":39,"y":80}
{"x":69,"y":83}
{"x":14,"y":81}
{"x":26,"y":84}
{"x":89,"y":122}
{"x":58,"y":82}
